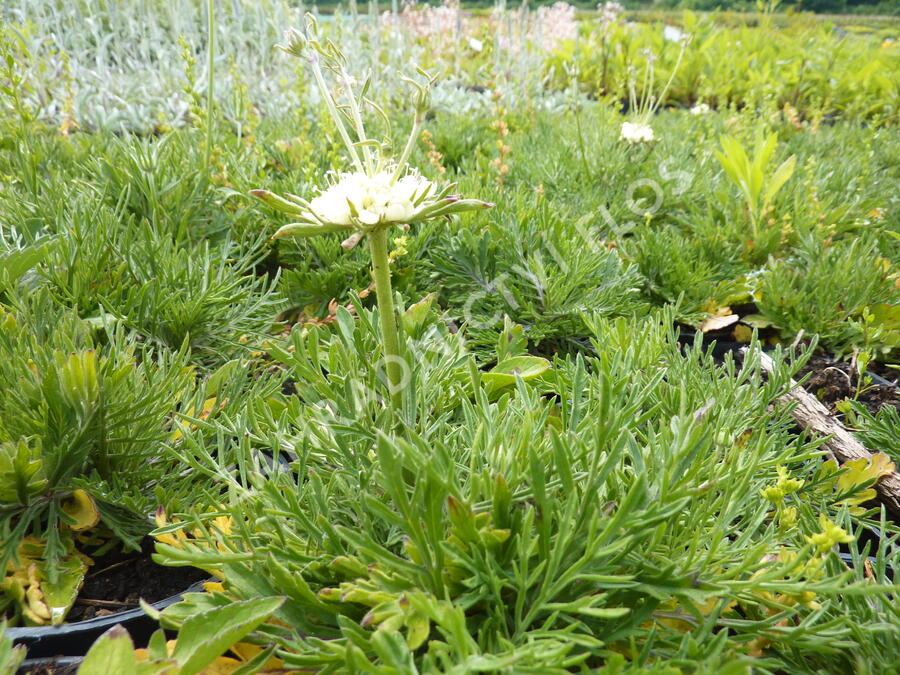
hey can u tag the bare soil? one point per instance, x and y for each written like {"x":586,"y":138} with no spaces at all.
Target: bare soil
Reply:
{"x":118,"y":580}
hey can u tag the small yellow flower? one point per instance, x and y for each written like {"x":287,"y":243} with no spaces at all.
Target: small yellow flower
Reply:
{"x":829,"y":537}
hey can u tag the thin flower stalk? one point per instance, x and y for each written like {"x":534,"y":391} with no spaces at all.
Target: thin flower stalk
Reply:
{"x":642,"y":108}
{"x":380,"y":193}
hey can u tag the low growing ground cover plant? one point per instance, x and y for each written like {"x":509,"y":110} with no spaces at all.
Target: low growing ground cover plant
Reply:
{"x":515,"y":532}
{"x":408,"y":433}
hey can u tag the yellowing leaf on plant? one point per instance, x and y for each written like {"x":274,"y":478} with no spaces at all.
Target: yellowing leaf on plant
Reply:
{"x":743,"y":333}
{"x":37,"y":600}
{"x":81,"y":508}
{"x":210,"y":406}
{"x":247,"y":652}
{"x":861,"y":473}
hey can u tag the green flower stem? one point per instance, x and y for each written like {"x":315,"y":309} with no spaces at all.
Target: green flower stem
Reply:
{"x":381,"y":272}
{"x":333,"y":111}
{"x":210,"y":74}
{"x":407,"y":150}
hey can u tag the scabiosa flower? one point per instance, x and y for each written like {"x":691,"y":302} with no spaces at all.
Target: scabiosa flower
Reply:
{"x":378,"y":193}
{"x":355,"y":201}
{"x":700,"y":109}
{"x":637,"y":132}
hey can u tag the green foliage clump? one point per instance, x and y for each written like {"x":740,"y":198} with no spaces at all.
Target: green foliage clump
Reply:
{"x":622,"y":500}
{"x":823,"y":289}
{"x":542,"y":270}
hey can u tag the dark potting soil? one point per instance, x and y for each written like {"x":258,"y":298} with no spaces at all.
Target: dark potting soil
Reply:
{"x":833,"y":381}
{"x":118,"y":580}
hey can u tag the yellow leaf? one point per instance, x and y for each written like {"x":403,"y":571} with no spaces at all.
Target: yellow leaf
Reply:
{"x":245,"y":652}
{"x":209,"y":406}
{"x":81,"y":507}
{"x":743,"y":333}
{"x":144,"y":654}
{"x":223,"y":665}
{"x":213,"y":587}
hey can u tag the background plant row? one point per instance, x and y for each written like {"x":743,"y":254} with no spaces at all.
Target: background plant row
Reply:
{"x":140,"y":67}
{"x":635,"y":504}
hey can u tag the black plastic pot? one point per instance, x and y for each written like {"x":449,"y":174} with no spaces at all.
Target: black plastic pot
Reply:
{"x":848,"y":561}
{"x":722,"y":346}
{"x":74,"y":639}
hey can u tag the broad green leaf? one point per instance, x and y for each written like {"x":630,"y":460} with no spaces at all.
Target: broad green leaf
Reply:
{"x":10,"y":657}
{"x":114,"y":652}
{"x":206,"y":636}
{"x":15,"y":263}
{"x":59,"y":595}
{"x":757,"y":321}
{"x":505,"y":372}
{"x":764,"y":151}
{"x":413,"y":319}
{"x":512,"y":340}
{"x":191,"y":604}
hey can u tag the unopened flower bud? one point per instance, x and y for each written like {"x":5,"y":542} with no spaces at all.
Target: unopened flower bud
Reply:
{"x":295,"y":42}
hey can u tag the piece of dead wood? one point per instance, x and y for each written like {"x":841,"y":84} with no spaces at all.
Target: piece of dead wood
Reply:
{"x":811,"y":414}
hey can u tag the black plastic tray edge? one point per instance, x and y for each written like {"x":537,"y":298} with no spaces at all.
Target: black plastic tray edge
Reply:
{"x":74,"y":639}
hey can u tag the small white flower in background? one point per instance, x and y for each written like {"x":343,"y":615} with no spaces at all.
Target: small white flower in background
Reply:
{"x":641,"y":108}
{"x":672,"y":34}
{"x":700,"y":109}
{"x":476,"y":44}
{"x":637,"y":132}
{"x":557,"y":24}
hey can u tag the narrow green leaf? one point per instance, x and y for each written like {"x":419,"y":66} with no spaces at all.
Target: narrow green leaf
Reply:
{"x":779,"y":178}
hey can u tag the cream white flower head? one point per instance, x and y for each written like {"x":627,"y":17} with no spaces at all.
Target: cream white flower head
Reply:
{"x":700,"y":109}
{"x":642,"y":106}
{"x":359,"y":202}
{"x":637,"y":132}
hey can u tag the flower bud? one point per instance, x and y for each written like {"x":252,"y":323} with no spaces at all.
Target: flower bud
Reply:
{"x":295,"y":42}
